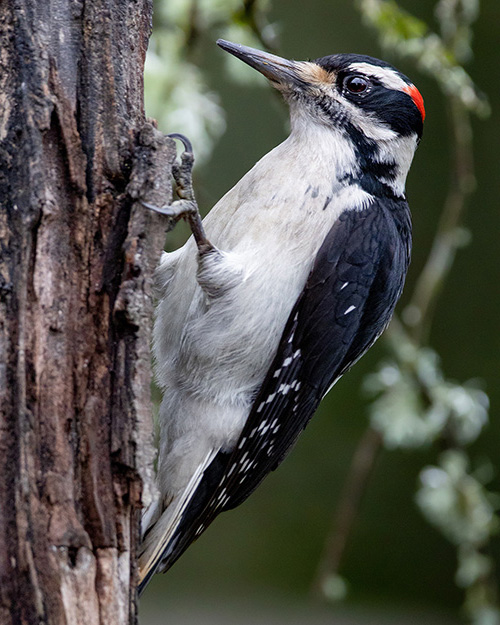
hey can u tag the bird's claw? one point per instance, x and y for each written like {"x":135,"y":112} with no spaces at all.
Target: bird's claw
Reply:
{"x":186,"y":206}
{"x":176,"y":210}
{"x":183,"y":172}
{"x":188,"y":147}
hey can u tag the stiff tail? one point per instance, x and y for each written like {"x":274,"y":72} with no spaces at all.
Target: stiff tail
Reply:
{"x":162,"y":536}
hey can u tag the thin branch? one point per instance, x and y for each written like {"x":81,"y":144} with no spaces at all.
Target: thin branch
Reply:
{"x":344,"y":519}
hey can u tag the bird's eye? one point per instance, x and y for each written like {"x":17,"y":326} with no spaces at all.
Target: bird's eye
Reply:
{"x":356,"y":84}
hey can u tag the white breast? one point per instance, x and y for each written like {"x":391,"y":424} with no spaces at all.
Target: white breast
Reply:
{"x":272,"y":223}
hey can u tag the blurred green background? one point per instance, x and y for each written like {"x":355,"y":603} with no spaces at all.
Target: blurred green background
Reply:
{"x":257,"y":563}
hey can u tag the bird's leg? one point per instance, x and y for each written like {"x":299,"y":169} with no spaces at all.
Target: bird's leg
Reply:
{"x":217,"y":272}
{"x":186,"y":206}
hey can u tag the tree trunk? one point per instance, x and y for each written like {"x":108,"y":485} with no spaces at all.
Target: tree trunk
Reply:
{"x":76,"y":258}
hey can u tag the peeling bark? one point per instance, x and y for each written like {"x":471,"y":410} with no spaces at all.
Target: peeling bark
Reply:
{"x":76,"y":257}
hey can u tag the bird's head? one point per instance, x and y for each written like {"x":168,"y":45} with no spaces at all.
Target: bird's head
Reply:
{"x":369,"y":102}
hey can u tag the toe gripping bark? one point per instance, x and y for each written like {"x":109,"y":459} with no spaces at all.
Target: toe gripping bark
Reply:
{"x":186,"y":206}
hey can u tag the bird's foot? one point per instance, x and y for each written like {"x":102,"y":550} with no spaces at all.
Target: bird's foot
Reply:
{"x":176,"y":210}
{"x":183,"y":171}
{"x":186,"y":206}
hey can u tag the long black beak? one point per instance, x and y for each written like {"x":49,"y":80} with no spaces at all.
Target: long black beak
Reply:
{"x":273,"y":67}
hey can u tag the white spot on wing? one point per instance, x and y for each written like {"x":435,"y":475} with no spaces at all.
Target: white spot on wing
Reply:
{"x":222,"y":494}
{"x":243,"y":457}
{"x":350,"y":309}
{"x":284,"y":388}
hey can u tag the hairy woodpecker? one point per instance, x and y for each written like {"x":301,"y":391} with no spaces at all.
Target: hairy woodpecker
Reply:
{"x":298,"y":274}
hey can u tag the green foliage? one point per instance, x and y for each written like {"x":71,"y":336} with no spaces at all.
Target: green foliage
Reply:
{"x":177,"y":94}
{"x":416,"y":405}
{"x":456,"y":502}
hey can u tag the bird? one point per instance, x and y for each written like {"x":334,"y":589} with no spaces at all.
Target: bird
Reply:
{"x":286,"y":283}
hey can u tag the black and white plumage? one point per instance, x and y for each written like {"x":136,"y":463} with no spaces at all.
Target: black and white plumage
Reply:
{"x":310,"y":252}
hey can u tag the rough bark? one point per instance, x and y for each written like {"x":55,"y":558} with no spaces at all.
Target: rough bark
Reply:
{"x":76,"y":257}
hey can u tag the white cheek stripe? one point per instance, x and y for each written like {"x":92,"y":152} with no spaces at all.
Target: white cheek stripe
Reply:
{"x":388,"y":77}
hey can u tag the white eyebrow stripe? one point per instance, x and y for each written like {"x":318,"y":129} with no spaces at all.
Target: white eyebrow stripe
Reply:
{"x":387,"y":76}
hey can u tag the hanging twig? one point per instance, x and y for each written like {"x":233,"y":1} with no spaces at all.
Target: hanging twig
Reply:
{"x":344,"y":519}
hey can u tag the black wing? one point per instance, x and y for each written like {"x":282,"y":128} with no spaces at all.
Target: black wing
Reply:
{"x":347,"y":302}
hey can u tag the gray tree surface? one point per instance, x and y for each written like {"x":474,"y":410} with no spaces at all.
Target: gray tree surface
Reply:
{"x":76,"y":258}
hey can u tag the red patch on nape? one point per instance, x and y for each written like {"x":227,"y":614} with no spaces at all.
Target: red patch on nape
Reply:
{"x":417,"y":98}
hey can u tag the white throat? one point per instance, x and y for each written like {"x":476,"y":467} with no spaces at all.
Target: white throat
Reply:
{"x":324,"y":141}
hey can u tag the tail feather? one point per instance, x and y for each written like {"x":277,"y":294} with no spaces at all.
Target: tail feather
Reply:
{"x":150,"y":515}
{"x":160,"y":538}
